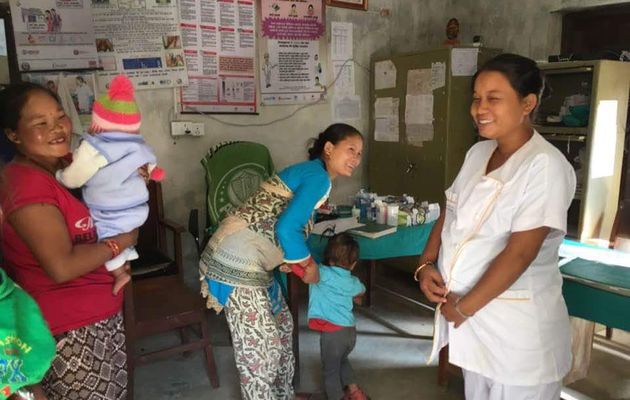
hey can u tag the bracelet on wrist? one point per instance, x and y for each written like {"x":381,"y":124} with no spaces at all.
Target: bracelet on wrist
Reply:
{"x":420,"y":267}
{"x":113,"y":246}
{"x":460,"y":312}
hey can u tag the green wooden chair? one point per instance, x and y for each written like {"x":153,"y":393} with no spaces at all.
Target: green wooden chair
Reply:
{"x":234,"y":170}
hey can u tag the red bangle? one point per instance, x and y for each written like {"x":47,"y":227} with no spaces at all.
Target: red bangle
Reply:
{"x":113,"y":246}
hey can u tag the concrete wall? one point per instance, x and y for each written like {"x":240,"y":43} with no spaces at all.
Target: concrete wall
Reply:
{"x":411,"y":26}
{"x":523,"y":26}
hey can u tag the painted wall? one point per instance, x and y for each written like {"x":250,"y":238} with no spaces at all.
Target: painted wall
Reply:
{"x":525,"y":27}
{"x":410,"y":27}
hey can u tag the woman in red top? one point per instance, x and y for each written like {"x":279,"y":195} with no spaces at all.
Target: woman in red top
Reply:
{"x":50,"y":248}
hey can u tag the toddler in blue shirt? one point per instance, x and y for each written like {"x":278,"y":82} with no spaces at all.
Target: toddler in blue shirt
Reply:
{"x":330,"y":312}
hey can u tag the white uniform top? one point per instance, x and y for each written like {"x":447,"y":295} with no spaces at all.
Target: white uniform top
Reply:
{"x":523,"y":336}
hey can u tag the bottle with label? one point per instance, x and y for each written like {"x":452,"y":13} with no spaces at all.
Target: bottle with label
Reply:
{"x":382,"y":212}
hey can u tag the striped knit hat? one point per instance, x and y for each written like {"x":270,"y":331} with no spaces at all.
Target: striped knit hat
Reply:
{"x":116,"y":110}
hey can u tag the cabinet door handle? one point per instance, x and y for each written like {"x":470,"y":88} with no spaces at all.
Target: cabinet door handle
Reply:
{"x":410,"y":167}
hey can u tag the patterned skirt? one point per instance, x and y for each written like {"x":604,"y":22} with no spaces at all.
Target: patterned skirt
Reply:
{"x":90,"y":364}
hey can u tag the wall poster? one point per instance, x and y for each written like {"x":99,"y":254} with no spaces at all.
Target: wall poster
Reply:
{"x":292,"y":51}
{"x":53,"y":34}
{"x":219,"y":42}
{"x":140,"y":38}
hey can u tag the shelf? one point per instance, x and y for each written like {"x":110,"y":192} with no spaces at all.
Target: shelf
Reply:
{"x":562,"y":130}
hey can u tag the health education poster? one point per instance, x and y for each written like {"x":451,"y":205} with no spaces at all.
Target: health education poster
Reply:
{"x":292,"y":51}
{"x":140,"y":38}
{"x":219,"y":42}
{"x":53,"y":34}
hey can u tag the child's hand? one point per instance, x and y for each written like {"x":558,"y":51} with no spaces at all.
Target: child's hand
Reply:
{"x":144,"y":173}
{"x":285,"y":268}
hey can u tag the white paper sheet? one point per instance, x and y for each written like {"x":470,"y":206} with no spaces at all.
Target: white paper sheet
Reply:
{"x":419,"y":81}
{"x":438,"y":75}
{"x":3,"y":41}
{"x":384,"y":75}
{"x":386,"y":129}
{"x":419,"y":109}
{"x":417,"y":134}
{"x":341,"y":41}
{"x":464,"y":62}
{"x":385,"y":107}
{"x":346,"y":108}
{"x":344,"y":74}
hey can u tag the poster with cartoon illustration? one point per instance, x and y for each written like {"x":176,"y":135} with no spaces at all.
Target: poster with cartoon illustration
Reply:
{"x":53,"y":34}
{"x":148,"y":49}
{"x":292,"y":52}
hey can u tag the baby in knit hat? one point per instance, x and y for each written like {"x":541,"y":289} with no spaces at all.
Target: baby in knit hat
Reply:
{"x":106,"y":166}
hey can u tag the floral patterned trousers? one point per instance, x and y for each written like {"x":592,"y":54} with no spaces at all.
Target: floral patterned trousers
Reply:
{"x":262,"y":345}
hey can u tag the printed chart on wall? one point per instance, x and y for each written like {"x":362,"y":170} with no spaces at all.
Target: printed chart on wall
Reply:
{"x":291,"y":51}
{"x":53,"y":34}
{"x":141,"y":39}
{"x":219,"y":43}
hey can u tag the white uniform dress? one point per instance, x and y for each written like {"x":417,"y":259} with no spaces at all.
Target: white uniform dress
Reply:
{"x":522,"y":337}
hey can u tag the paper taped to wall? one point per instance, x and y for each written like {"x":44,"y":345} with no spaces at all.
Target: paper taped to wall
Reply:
{"x":464,"y":62}
{"x":438,"y":75}
{"x":384,"y":75}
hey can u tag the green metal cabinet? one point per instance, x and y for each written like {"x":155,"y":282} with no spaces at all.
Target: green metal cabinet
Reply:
{"x":424,"y":172}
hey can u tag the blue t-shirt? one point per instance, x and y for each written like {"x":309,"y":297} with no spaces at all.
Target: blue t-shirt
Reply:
{"x":331,"y":298}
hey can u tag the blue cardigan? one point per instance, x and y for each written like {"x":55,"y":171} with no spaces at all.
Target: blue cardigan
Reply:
{"x":310,"y":184}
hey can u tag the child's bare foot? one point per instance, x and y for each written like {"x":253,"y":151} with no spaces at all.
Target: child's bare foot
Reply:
{"x":120,"y":280}
{"x":354,"y":392}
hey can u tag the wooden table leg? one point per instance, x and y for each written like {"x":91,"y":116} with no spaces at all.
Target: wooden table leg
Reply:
{"x":443,"y":367}
{"x":370,"y":277}
{"x":294,"y":307}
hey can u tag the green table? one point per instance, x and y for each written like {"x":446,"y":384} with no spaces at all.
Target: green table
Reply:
{"x":597,"y":292}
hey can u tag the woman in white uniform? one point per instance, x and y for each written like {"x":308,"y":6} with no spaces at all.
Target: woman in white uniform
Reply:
{"x":497,"y":280}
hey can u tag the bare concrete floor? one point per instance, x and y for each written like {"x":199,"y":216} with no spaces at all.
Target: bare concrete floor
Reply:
{"x":389,"y":359}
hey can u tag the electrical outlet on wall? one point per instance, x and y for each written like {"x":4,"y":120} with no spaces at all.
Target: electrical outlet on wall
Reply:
{"x":182,"y":128}
{"x":195,"y":128}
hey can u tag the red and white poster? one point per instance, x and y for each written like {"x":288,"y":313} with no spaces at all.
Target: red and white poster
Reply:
{"x":219,"y":43}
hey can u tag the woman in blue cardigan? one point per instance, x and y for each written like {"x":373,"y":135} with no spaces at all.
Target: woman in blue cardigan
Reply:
{"x":269,"y":229}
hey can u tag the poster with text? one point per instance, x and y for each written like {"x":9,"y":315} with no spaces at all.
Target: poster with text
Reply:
{"x":219,"y":42}
{"x":140,"y":38}
{"x":53,"y":34}
{"x":292,"y":51}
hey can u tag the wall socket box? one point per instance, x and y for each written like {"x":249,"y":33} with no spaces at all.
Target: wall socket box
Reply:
{"x":182,"y":128}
